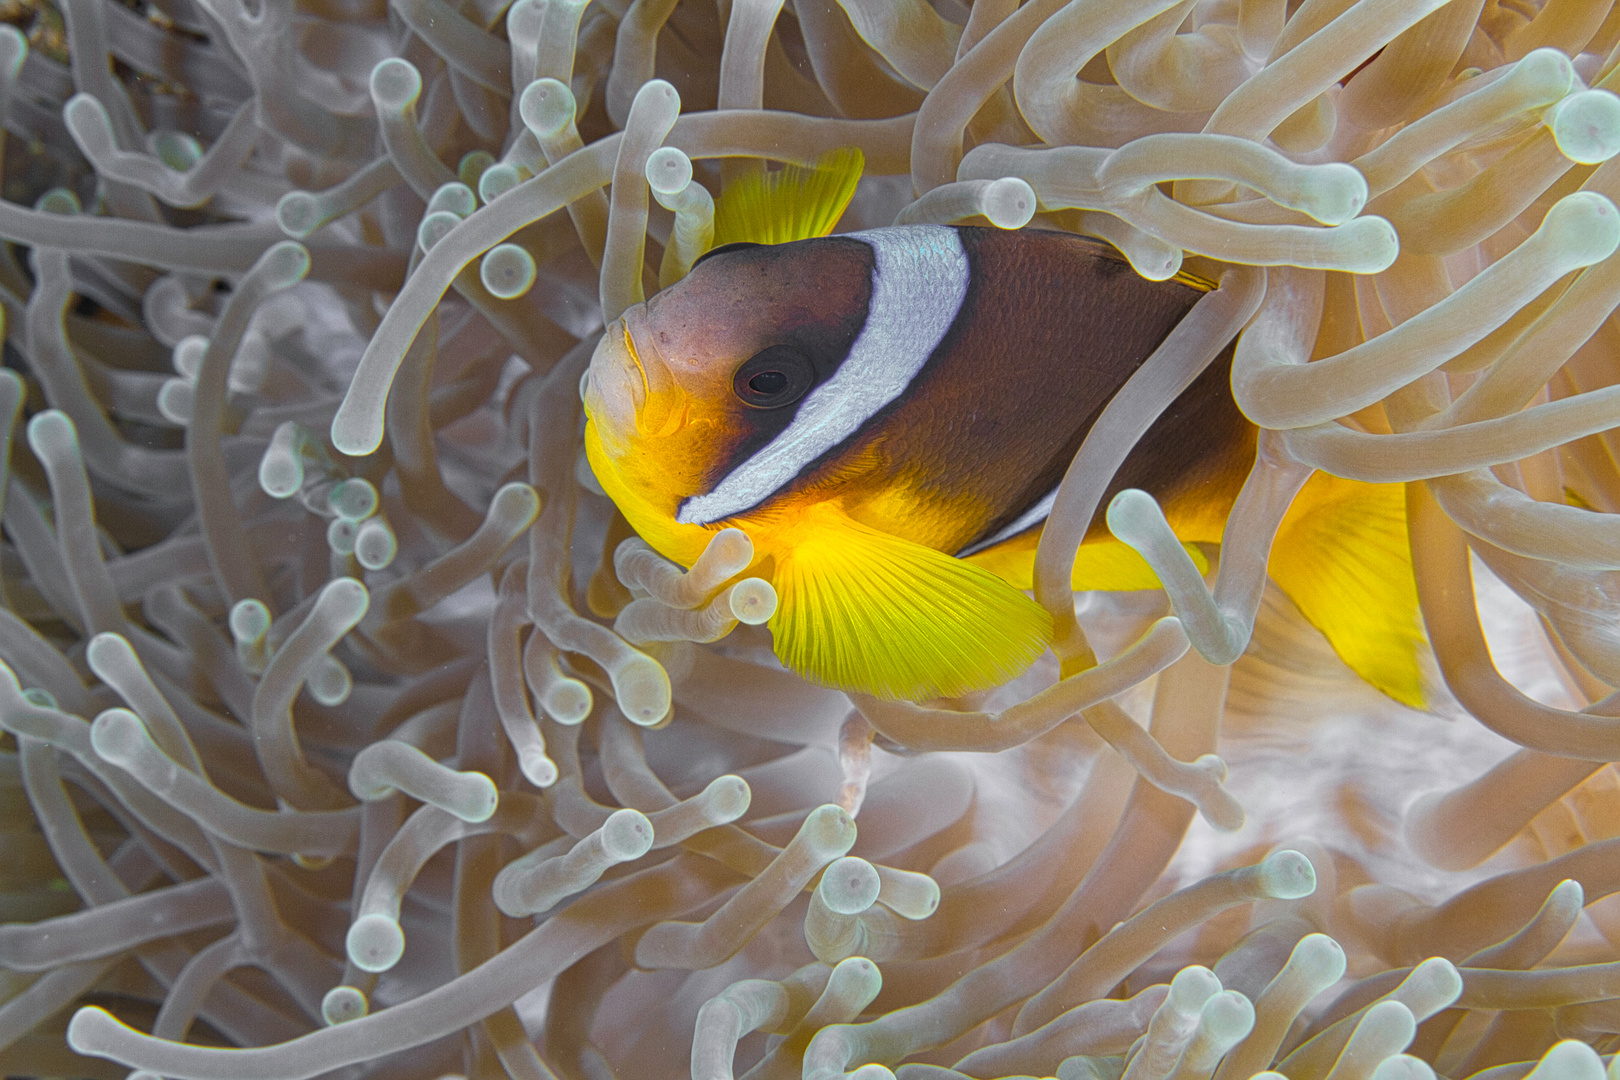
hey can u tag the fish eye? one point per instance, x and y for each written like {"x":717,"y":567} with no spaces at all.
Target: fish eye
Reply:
{"x":773,"y":377}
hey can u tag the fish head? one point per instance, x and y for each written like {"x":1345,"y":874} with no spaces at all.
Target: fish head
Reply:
{"x":684,"y":388}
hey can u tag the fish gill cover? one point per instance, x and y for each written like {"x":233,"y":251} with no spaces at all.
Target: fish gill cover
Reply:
{"x":348,"y":732}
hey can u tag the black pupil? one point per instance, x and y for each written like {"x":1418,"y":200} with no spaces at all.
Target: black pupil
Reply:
{"x":768,"y":383}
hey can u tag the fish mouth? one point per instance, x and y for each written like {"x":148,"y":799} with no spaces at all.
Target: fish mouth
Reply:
{"x":628,"y":388}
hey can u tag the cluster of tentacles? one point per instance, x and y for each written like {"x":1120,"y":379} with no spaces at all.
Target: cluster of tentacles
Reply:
{"x":347,"y":729}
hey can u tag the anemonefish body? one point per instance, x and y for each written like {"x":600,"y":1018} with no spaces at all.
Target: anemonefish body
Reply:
{"x":888,"y":413}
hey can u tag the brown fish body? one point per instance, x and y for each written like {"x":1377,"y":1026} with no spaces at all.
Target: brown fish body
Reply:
{"x":869,"y":405}
{"x":1051,"y":327}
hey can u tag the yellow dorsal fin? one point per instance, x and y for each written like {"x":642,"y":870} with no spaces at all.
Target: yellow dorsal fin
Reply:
{"x":867,"y":611}
{"x":1343,"y":559}
{"x":794,"y":203}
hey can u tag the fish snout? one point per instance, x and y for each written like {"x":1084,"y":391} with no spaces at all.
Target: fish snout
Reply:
{"x":659,"y":394}
{"x":614,"y":388}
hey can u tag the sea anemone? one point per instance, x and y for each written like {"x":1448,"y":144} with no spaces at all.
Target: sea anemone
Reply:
{"x":348,"y":729}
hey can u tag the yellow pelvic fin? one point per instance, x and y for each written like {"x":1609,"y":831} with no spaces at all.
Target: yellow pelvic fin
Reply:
{"x":794,"y":203}
{"x":1342,"y":556}
{"x":865,"y":610}
{"x":1106,"y":565}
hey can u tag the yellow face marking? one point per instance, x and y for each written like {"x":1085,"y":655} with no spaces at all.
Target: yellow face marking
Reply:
{"x":634,"y":487}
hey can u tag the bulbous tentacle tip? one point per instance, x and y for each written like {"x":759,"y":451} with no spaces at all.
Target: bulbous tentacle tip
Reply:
{"x":627,"y":835}
{"x":342,"y":1004}
{"x":641,"y":687}
{"x":89,"y":1031}
{"x":1288,"y":875}
{"x":395,"y":84}
{"x":1586,"y":126}
{"x":375,"y":943}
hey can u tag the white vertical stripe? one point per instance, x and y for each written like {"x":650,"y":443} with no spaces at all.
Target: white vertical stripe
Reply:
{"x":919,"y":280}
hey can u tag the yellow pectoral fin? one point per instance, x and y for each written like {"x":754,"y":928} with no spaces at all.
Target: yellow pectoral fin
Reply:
{"x":867,"y":611}
{"x":794,"y":203}
{"x":1105,"y":565}
{"x":1342,"y":556}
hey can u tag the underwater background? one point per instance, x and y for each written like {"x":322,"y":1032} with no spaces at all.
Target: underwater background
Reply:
{"x":337,"y":740}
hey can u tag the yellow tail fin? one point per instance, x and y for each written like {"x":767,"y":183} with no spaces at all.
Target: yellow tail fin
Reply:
{"x":867,"y":611}
{"x":794,"y":203}
{"x":1343,"y":559}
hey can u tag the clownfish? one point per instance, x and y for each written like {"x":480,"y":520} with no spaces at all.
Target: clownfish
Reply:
{"x":887,"y":415}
